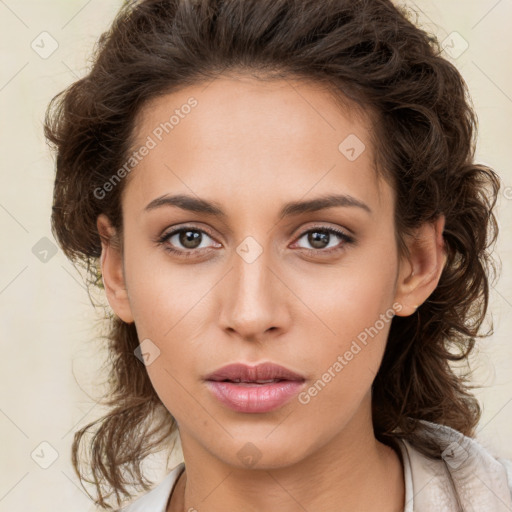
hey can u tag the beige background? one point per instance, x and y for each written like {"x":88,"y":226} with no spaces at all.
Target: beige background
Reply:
{"x":50,"y":353}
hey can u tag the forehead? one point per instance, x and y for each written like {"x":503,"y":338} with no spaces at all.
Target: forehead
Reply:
{"x":240,"y":137}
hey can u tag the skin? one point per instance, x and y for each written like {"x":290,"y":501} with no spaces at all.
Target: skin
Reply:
{"x":252,"y":146}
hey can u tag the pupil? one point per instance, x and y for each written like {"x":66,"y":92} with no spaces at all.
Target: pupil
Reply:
{"x":189,"y":239}
{"x":319,"y":239}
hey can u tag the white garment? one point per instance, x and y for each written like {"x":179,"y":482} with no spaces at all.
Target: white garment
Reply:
{"x":467,"y":479}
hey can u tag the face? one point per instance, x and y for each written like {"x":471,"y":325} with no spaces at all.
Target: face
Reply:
{"x":312,"y":290}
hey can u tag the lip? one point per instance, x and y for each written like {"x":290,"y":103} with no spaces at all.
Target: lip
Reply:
{"x":246,"y":395}
{"x":247,"y":373}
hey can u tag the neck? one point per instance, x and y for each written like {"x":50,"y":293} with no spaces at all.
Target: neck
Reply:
{"x":353,"y":471}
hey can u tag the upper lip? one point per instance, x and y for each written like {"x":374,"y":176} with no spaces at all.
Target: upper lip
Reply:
{"x":245,"y":373}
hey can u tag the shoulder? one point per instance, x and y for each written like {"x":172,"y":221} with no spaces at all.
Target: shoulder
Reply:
{"x":156,"y":499}
{"x":466,"y":477}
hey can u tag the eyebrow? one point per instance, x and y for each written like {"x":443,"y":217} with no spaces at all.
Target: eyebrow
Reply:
{"x":195,"y":204}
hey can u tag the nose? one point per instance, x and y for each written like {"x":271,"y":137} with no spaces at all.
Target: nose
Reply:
{"x":254,"y":299}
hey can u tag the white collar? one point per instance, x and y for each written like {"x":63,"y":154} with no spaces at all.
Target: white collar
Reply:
{"x":467,"y":478}
{"x":156,"y":499}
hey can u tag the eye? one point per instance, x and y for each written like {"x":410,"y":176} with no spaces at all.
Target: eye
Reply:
{"x":188,"y":240}
{"x":320,"y":239}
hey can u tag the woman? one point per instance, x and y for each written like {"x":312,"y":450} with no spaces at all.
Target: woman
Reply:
{"x":283,"y":206}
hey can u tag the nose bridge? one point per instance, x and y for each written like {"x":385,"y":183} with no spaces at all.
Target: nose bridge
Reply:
{"x":253,"y":304}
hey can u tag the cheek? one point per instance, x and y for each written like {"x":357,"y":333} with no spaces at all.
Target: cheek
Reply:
{"x":349,"y":299}
{"x":355,"y":308}
{"x":165,"y":296}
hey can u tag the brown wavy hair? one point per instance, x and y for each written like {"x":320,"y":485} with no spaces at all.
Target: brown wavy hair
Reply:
{"x":367,"y":52}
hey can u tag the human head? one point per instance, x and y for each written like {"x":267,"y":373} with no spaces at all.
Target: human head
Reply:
{"x":374,"y":61}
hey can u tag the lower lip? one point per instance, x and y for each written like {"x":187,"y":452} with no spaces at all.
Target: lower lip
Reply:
{"x":249,"y":397}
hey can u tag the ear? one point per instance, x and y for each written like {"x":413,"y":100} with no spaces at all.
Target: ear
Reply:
{"x":419,"y":273}
{"x":112,"y":270}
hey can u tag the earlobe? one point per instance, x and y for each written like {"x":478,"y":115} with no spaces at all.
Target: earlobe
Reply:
{"x":111,"y":262}
{"x":419,"y":274}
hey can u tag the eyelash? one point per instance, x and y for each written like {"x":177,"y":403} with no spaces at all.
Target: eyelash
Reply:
{"x":347,"y":239}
